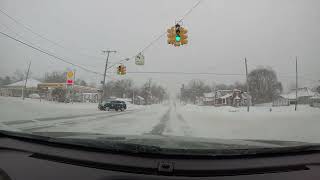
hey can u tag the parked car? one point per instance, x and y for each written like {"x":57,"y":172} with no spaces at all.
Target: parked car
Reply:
{"x":116,"y":105}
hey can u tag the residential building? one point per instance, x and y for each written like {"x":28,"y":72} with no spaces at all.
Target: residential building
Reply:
{"x":304,"y":96}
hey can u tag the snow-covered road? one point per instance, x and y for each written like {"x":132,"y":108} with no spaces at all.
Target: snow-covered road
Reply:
{"x":281,"y":123}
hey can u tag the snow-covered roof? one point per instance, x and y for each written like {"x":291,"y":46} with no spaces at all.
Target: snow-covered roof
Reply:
{"x":31,"y":83}
{"x":302,"y":92}
{"x":139,"y":97}
{"x":316,"y":96}
{"x":226,"y":96}
{"x":208,"y":95}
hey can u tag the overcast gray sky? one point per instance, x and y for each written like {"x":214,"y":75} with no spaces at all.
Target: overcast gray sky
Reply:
{"x":221,"y":33}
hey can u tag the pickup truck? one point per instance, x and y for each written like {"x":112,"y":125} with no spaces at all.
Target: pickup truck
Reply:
{"x":116,"y":105}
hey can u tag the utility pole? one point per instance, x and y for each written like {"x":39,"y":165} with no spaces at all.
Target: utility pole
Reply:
{"x":74,"y":81}
{"x":296,"y":105}
{"x":132,"y":96}
{"x":105,"y":73}
{"x":25,"y":83}
{"x":248,"y":97}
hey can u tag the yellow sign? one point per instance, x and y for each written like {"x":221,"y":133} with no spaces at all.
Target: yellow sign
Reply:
{"x":70,"y":75}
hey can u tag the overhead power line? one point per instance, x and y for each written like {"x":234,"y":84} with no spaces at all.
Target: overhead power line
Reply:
{"x":161,"y":35}
{"x":190,"y":10}
{"x":50,"y":54}
{"x":179,"y":21}
{"x":45,"y":38}
{"x":186,"y":73}
{"x":20,"y":36}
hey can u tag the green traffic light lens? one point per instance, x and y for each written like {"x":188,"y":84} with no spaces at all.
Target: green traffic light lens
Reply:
{"x":178,"y":38}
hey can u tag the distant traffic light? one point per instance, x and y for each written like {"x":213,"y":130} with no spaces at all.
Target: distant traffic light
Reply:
{"x":177,"y":28}
{"x":122,"y":70}
{"x":177,"y":35}
{"x":119,"y":70}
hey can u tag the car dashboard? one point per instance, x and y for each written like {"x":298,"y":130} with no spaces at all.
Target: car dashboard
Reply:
{"x":25,"y":159}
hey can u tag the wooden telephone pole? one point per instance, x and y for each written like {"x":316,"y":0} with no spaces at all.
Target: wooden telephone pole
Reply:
{"x":248,"y":98}
{"x":296,"y":105}
{"x":25,"y":83}
{"x":105,"y":73}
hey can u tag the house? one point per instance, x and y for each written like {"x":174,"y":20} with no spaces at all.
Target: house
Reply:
{"x":139,"y":100}
{"x":315,"y":100}
{"x":280,"y":101}
{"x":15,"y":89}
{"x":304,"y":96}
{"x":223,"y":97}
{"x":208,"y":98}
{"x":232,"y":98}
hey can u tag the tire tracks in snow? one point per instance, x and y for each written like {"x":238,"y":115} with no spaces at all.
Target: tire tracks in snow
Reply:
{"x":173,"y":123}
{"x":184,"y":125}
{"x":72,"y":121}
{"x":161,"y":126}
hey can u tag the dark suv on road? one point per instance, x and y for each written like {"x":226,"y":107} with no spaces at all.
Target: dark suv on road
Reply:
{"x":116,"y":105}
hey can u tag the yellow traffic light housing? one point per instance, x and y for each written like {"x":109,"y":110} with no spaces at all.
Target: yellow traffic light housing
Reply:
{"x":119,"y":70}
{"x":171,"y":35}
{"x":122,"y":70}
{"x":184,"y":36}
{"x":177,"y":35}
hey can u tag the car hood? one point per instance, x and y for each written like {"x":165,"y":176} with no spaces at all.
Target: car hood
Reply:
{"x":171,"y":145}
{"x":174,"y":142}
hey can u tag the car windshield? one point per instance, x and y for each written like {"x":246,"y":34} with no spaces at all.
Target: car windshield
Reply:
{"x":170,"y":74}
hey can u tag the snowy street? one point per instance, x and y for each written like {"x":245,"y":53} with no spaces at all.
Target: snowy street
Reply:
{"x":262,"y":122}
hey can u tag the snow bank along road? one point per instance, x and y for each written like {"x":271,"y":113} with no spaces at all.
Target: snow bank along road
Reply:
{"x":281,"y":123}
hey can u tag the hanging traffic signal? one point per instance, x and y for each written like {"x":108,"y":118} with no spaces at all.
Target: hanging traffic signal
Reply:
{"x":177,"y":35}
{"x":119,"y":70}
{"x":122,"y":70}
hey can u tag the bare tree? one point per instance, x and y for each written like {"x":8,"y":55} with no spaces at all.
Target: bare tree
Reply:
{"x":55,"y":77}
{"x":264,"y":85}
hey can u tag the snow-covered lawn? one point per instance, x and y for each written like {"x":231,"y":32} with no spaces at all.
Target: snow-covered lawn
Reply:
{"x":282,"y":123}
{"x":123,"y":123}
{"x":13,"y":108}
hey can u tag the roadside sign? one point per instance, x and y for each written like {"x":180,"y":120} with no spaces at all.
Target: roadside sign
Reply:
{"x":139,"y":59}
{"x":70,"y":75}
{"x":70,"y":78}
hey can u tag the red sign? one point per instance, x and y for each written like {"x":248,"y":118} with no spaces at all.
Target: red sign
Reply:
{"x":69,"y":81}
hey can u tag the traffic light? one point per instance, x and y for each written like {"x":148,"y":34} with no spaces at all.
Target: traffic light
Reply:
{"x":177,"y":35}
{"x":119,"y":70}
{"x":122,"y":70}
